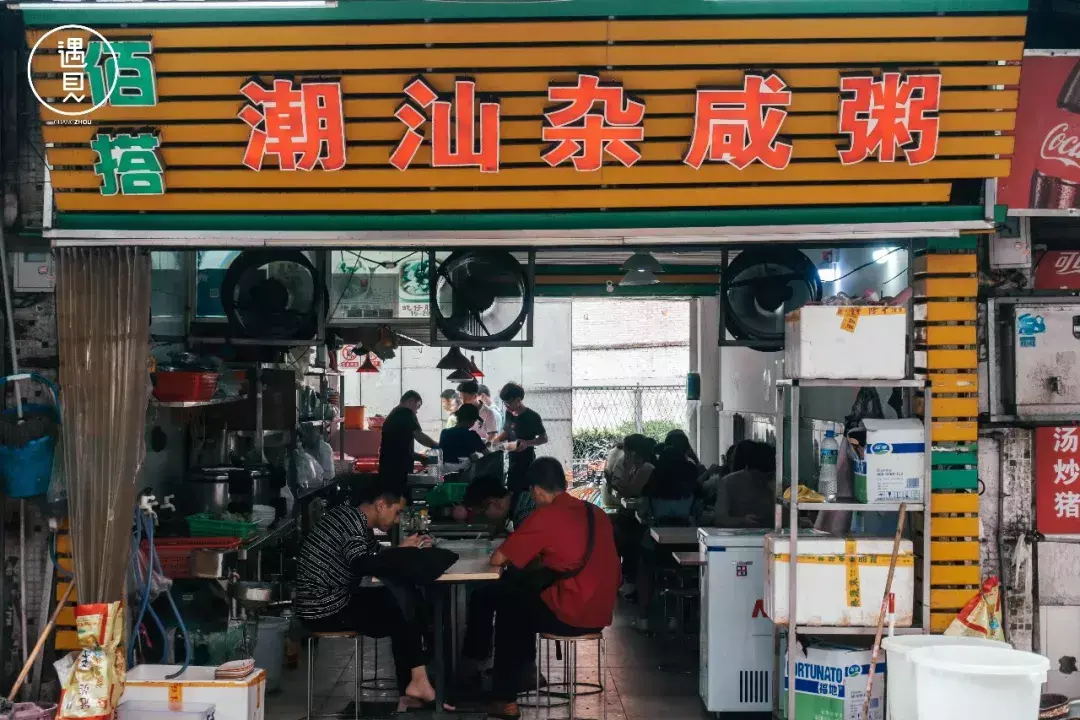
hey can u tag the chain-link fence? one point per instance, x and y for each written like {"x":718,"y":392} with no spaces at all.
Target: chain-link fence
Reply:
{"x":584,"y":423}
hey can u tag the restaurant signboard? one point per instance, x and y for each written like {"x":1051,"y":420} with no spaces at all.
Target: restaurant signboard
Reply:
{"x":1057,"y":480}
{"x":528,"y":115}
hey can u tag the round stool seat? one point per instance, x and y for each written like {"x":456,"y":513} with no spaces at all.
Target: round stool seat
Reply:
{"x":336,"y":635}
{"x":591,"y":637}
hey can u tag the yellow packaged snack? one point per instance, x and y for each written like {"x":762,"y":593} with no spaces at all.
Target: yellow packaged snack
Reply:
{"x":96,"y":682}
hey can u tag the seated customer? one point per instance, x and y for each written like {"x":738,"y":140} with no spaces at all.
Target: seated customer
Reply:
{"x":562,"y":578}
{"x":492,"y":501}
{"x":746,"y":498}
{"x":458,"y":443}
{"x":336,"y":555}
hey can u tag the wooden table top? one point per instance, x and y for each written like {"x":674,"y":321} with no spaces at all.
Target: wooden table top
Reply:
{"x":473,"y":563}
{"x":689,"y":559}
{"x":677,"y":535}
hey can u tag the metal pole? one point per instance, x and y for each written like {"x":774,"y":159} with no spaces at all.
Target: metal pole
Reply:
{"x":638,"y":424}
{"x":793,"y":556}
{"x":778,"y":526}
{"x":927,"y":485}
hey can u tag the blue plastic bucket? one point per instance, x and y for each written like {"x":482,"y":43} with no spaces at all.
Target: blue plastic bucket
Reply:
{"x":27,"y":470}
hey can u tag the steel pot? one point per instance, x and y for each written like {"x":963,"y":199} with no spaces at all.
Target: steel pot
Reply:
{"x":253,"y":596}
{"x":1053,"y":707}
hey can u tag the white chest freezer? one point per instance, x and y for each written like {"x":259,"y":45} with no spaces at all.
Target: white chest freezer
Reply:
{"x":736,"y":636}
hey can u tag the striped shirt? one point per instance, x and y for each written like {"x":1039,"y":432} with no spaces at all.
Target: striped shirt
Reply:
{"x":325,"y":579}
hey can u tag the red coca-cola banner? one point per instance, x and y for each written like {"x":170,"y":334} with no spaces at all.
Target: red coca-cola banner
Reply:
{"x":1058,"y":270}
{"x":1046,"y":161}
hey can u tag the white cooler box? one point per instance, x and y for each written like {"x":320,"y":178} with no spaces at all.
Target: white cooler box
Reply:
{"x":243,"y":699}
{"x":841,"y":580}
{"x":838,"y":342}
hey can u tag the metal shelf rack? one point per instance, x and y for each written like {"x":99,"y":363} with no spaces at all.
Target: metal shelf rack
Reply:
{"x":794,"y":507}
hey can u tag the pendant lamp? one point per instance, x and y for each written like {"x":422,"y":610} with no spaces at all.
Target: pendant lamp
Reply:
{"x":367,"y":366}
{"x":642,"y":262}
{"x":459,"y":376}
{"x":454,"y":360}
{"x":638,"y":278}
{"x":474,"y":369}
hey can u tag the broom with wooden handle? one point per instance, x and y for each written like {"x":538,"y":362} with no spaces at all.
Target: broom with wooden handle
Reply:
{"x":884,"y":610}
{"x":46,"y":631}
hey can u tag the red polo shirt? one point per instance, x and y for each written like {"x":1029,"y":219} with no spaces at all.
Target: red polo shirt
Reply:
{"x":557,"y":534}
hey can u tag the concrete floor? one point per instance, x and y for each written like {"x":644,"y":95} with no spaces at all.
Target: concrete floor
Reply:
{"x":646,"y":677}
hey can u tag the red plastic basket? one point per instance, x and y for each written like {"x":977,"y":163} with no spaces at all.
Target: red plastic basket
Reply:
{"x":175,"y":553}
{"x":183,"y":386}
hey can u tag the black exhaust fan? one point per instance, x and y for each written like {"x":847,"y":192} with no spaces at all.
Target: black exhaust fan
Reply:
{"x":759,"y":286}
{"x":481,"y":298}
{"x":273,"y":295}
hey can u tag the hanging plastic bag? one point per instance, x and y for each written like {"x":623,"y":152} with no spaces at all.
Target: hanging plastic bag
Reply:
{"x":306,"y":470}
{"x":325,"y":455}
{"x":981,"y":617}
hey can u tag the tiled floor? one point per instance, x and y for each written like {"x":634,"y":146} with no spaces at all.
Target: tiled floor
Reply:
{"x":647,"y":677}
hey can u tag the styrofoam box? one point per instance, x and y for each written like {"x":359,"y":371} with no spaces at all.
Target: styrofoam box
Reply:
{"x":148,"y":710}
{"x":838,"y":342}
{"x":823,"y":582}
{"x":243,"y":699}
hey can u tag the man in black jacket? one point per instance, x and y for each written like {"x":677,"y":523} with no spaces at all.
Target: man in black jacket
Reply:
{"x":336,"y":555}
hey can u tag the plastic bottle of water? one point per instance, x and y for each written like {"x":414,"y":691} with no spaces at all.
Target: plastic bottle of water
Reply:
{"x":827,"y":466}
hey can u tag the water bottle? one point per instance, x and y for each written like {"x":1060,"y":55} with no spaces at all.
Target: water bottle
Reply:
{"x":827,"y":466}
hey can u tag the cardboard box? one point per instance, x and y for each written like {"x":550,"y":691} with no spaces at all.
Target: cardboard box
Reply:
{"x":841,"y":581}
{"x":243,"y":699}
{"x":894,"y":465}
{"x":830,"y":684}
{"x":840,"y":342}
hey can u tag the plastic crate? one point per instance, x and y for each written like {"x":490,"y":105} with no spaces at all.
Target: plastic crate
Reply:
{"x":175,"y":553}
{"x":206,"y":525}
{"x":448,"y":493}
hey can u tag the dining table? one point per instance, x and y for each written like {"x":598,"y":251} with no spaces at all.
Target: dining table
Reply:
{"x":472,"y":566}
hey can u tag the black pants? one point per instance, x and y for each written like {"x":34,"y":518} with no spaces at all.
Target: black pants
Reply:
{"x":520,"y":615}
{"x":376,"y":613}
{"x":480,"y":621}
{"x":628,"y":535}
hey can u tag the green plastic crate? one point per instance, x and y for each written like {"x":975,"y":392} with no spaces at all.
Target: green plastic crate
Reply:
{"x":448,"y":493}
{"x":206,"y":525}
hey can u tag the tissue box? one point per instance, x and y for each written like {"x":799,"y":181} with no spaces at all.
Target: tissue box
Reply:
{"x":841,"y":580}
{"x":893,"y":467}
{"x":830,"y":684}
{"x":828,"y":341}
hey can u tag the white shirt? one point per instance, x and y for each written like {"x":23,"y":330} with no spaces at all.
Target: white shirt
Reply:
{"x":488,"y":422}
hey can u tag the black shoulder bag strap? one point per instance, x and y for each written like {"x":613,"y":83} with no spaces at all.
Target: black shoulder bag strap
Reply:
{"x":538,"y":577}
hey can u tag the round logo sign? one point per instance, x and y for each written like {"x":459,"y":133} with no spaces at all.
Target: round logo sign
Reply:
{"x":70,"y":41}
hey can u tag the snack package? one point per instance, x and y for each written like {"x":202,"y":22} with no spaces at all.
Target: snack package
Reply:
{"x":981,"y":617}
{"x":96,"y":681}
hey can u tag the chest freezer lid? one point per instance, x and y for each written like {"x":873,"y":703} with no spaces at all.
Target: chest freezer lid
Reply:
{"x":732,"y":537}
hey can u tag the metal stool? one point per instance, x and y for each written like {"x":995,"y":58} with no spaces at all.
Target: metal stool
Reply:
{"x":342,"y":635}
{"x":375,"y":682}
{"x":570,"y":683}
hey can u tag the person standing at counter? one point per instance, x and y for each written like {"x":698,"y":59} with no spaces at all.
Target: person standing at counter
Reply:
{"x":525,"y":430}
{"x":488,"y":425}
{"x":400,"y":431}
{"x":451,"y":401}
{"x":460,"y":443}
{"x":487,"y":401}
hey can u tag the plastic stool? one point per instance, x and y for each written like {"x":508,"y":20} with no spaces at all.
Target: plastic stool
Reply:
{"x":342,"y":635}
{"x":570,"y":683}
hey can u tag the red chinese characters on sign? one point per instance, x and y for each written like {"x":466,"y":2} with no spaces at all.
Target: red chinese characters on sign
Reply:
{"x":881,"y":116}
{"x":1057,"y":480}
{"x":582,"y":135}
{"x":455,"y":141}
{"x":304,"y":127}
{"x":1058,"y":270}
{"x":740,"y":126}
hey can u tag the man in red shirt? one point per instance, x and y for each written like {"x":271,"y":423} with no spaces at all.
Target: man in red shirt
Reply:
{"x":562,"y":580}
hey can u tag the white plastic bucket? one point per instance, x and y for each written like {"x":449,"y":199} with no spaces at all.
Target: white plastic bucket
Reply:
{"x":900,"y":678}
{"x":989,"y":683}
{"x":270,"y":650}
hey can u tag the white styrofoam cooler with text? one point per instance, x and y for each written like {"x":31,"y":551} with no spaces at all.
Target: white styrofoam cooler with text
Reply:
{"x":841,"y":581}
{"x":838,"y":342}
{"x":243,"y":699}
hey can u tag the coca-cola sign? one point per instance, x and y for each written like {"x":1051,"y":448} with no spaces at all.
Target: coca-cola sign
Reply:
{"x":1062,"y":145}
{"x":1045,"y":176}
{"x":1058,"y":270}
